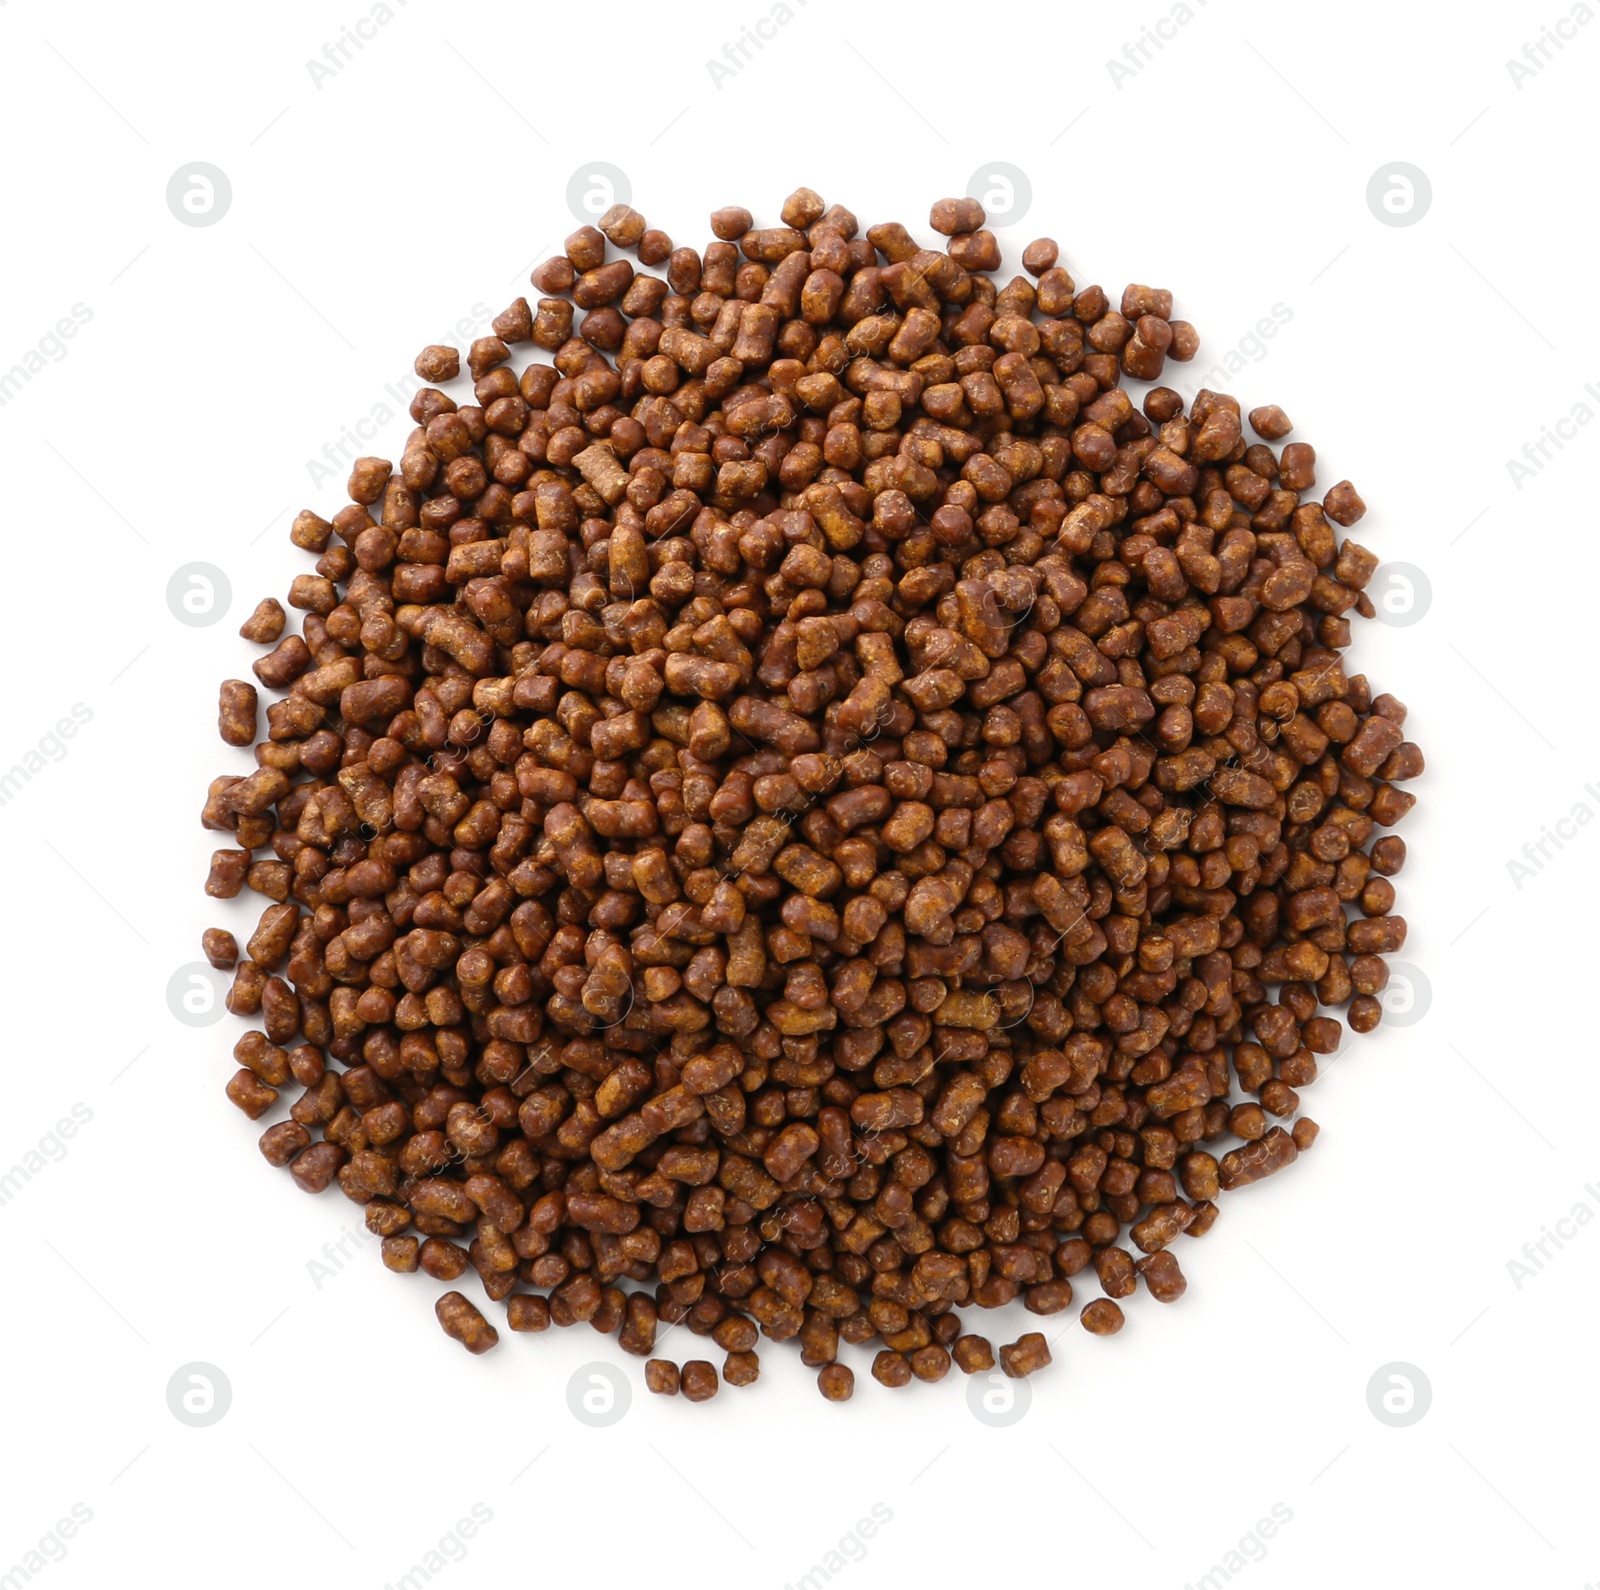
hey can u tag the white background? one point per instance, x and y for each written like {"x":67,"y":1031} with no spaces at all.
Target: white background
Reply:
{"x":371,"y":211}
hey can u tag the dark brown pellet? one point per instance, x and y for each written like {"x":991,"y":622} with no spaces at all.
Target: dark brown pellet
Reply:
{"x":1163,"y":1277}
{"x":251,"y":1094}
{"x":736,"y":1333}
{"x":1343,"y":504}
{"x":662,"y":1377}
{"x":1270,"y":422}
{"x":437,"y":363}
{"x":400,"y":1255}
{"x":279,"y":1144}
{"x":443,"y":1260}
{"x":1102,"y":1317}
{"x":220,"y":947}
{"x":317,"y":1166}
{"x":1040,"y":255}
{"x":973,"y":1354}
{"x":463,"y":1323}
{"x":731,"y":223}
{"x":890,"y":1368}
{"x":265,"y":623}
{"x":956,"y":215}
{"x":804,"y":808}
{"x":699,"y":1380}
{"x":836,"y":1382}
{"x":741,"y":1369}
{"x":554,"y":275}
{"x":236,"y":712}
{"x":1026,"y":1355}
